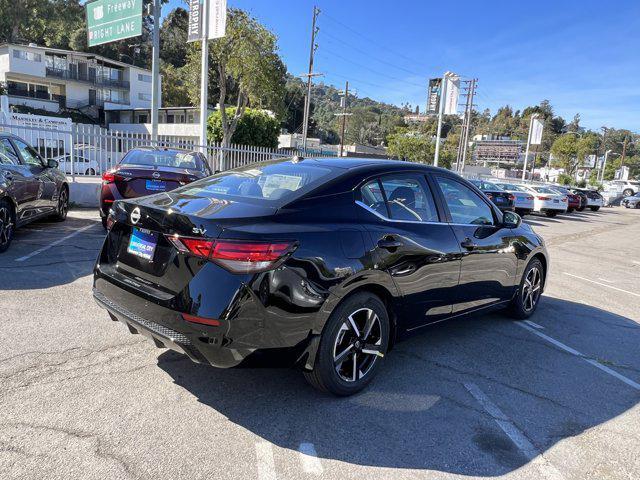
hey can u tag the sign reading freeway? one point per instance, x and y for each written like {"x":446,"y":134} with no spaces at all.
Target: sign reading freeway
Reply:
{"x":111,"y":20}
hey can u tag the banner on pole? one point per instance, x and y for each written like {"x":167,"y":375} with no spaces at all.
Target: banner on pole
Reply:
{"x":194,"y":31}
{"x":111,"y":20}
{"x":452,"y":95}
{"x":536,"y":131}
{"x":433,"y":96}
{"x":217,"y":18}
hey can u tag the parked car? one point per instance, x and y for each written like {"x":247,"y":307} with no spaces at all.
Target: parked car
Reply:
{"x":30,"y":187}
{"x":626,"y":188}
{"x":325,"y":262}
{"x":632,"y":201}
{"x":145,"y":171}
{"x":81,"y":165}
{"x":574,"y":201}
{"x":523,"y":198}
{"x":594,"y":199}
{"x":503,"y":200}
{"x":547,"y":200}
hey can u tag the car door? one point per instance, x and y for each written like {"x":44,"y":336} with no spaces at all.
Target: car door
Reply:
{"x":411,"y":243}
{"x":17,"y":177}
{"x":42,"y":184}
{"x":489,"y":261}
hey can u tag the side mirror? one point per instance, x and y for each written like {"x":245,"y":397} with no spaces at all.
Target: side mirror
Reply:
{"x":51,"y":163}
{"x":511,"y":220}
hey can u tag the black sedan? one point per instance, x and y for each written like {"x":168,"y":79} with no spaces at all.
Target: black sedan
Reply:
{"x":30,"y":187}
{"x":503,"y":199}
{"x":321,"y":263}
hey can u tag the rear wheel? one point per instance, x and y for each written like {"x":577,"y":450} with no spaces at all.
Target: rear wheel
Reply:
{"x":353,"y":344}
{"x":6,"y":224}
{"x":594,"y":209}
{"x":90,"y":171}
{"x":569,"y":210}
{"x":63,"y":205}
{"x":526,"y":300}
{"x":550,"y":213}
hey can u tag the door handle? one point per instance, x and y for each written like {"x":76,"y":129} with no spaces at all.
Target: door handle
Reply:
{"x":389,"y":243}
{"x":468,"y":244}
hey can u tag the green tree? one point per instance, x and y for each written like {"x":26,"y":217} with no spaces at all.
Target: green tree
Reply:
{"x":173,"y":37}
{"x":247,"y":61}
{"x":175,"y":88}
{"x":255,"y":127}
{"x":565,"y":152}
{"x":412,"y":146}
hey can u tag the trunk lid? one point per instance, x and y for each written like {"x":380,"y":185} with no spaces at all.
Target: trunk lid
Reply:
{"x":132,"y":181}
{"x":137,"y":248}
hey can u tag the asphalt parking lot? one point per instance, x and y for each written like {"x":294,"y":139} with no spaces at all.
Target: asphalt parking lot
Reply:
{"x":554,"y":398}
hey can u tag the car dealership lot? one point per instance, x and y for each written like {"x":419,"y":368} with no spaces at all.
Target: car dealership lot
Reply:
{"x":556,"y":397}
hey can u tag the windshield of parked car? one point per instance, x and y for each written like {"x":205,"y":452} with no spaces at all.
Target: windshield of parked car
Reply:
{"x":483,"y":185}
{"x":279,"y":181}
{"x":164,"y":158}
{"x":511,"y":186}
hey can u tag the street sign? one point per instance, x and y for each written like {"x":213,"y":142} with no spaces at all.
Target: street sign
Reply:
{"x":111,"y":20}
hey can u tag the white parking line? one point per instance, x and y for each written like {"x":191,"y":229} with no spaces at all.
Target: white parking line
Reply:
{"x":533,"y":324}
{"x":309,"y":459}
{"x":266,"y":463}
{"x":57,"y":242}
{"x":603,"y":284}
{"x":572,"y":351}
{"x":517,"y":437}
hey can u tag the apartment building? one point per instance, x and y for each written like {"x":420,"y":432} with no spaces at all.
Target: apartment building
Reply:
{"x":56,"y":80}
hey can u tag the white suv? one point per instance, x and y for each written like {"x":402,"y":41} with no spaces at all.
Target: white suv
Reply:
{"x":626,"y":188}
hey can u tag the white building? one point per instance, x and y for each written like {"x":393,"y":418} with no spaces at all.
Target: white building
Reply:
{"x":56,"y":80}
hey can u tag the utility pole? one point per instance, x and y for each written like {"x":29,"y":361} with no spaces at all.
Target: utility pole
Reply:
{"x":344,"y":115}
{"x":204,"y":77}
{"x":463,"y":126}
{"x":624,"y":151}
{"x":155,"y":71}
{"x":526,"y":155}
{"x":310,"y":75}
{"x":465,"y":146}
{"x":443,"y":96}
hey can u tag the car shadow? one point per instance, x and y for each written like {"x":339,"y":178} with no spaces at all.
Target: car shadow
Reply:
{"x":66,"y":259}
{"x":418,"y":414}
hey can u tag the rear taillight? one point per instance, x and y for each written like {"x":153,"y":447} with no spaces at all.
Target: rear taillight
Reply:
{"x":110,"y":221}
{"x":564,"y":200}
{"x":489,"y":196}
{"x":109,"y":176}
{"x":235,"y":255}
{"x":512,"y":197}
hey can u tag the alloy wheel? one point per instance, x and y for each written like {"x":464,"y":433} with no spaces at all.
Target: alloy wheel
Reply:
{"x":531,"y":289}
{"x":63,"y":204}
{"x":6,"y":226}
{"x":358,"y":345}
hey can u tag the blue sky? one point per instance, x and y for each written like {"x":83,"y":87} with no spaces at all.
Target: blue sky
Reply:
{"x":584,"y":56}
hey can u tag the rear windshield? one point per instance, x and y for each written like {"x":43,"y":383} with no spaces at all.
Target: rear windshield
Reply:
{"x":545,"y":190}
{"x":278,"y":181}
{"x":164,"y":158}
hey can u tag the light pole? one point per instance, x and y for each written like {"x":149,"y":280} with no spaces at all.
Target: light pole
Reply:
{"x":526,"y":155}
{"x":604,"y":164}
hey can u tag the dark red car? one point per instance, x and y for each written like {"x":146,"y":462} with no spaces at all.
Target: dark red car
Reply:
{"x":145,"y":171}
{"x":574,"y":202}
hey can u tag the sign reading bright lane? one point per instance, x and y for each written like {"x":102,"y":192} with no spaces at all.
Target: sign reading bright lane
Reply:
{"x":111,"y":20}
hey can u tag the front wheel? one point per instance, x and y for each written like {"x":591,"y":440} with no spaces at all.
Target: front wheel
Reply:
{"x":627,"y":193}
{"x":526,"y":300}
{"x":63,"y":205}
{"x":353,"y":344}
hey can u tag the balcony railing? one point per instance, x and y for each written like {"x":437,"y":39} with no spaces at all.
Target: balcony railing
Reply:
{"x":99,"y":80}
{"x":37,"y":95}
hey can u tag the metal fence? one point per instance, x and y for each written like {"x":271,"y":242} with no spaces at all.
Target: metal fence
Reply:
{"x":86,"y":149}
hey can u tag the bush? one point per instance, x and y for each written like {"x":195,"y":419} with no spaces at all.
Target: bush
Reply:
{"x":581,"y":183}
{"x":564,"y":179}
{"x":256,"y":128}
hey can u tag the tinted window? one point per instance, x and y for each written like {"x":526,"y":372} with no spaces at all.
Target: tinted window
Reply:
{"x":281,"y":180}
{"x":7,"y":150}
{"x":5,"y":160}
{"x":165,"y":158}
{"x":29,"y":155}
{"x":408,"y":199}
{"x":465,"y":206}
{"x":372,"y":197}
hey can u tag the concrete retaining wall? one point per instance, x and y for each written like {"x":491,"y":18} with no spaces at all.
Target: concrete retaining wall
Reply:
{"x":84,"y":191}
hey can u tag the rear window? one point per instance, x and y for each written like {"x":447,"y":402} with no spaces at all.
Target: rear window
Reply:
{"x":544,"y":190}
{"x":279,"y":181}
{"x":164,"y":158}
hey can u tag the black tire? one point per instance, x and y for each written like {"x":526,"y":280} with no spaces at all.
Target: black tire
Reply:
{"x":7,"y":224}
{"x":594,"y":209}
{"x":550,"y":213}
{"x":570,"y":210}
{"x":104,"y":222}
{"x":627,"y":193}
{"x":521,"y":306}
{"x":339,"y":339}
{"x":522,"y":212}
{"x":90,"y":171}
{"x":581,"y":208}
{"x":63,"y":205}
{"x":637,"y":205}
